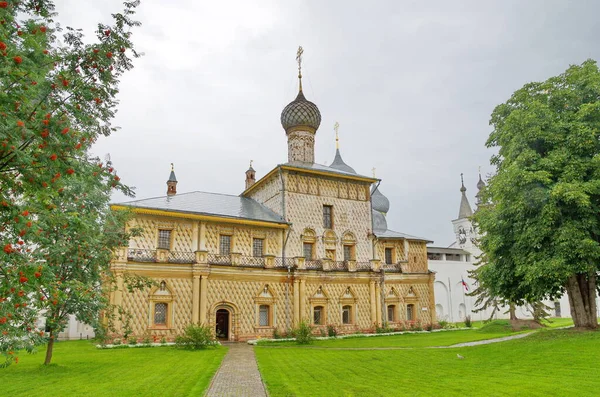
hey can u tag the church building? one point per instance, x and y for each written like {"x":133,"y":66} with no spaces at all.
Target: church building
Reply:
{"x":305,"y":242}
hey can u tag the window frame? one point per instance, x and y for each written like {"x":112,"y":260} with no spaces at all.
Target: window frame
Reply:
{"x":392,"y":309}
{"x":350,"y":311}
{"x":168,"y":239}
{"x":262,"y":247}
{"x":305,"y":244}
{"x":385,"y":255}
{"x":165,"y":314}
{"x":410,"y":308}
{"x":322,"y":315}
{"x":328,"y":216}
{"x":268,"y":318}
{"x":221,"y":245}
{"x":350,"y":248}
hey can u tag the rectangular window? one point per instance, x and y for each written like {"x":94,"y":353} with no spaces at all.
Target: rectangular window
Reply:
{"x":347,"y":315}
{"x":164,"y":239}
{"x":263,"y":315}
{"x":160,"y":314}
{"x":328,"y":217}
{"x":308,"y":251}
{"x":318,"y":315}
{"x":389,"y":255}
{"x":225,"y":247}
{"x":391,"y":312}
{"x":410,"y":312}
{"x":257,"y":247}
{"x":348,"y":253}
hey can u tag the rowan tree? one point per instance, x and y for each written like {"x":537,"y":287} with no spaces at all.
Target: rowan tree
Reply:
{"x":540,"y":224}
{"x":56,"y":230}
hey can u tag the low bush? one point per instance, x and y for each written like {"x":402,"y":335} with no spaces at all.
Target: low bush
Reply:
{"x":196,"y":337}
{"x":303,"y":333}
{"x":468,"y":322}
{"x":384,"y":330}
{"x":331,"y":331}
{"x":132,"y":341}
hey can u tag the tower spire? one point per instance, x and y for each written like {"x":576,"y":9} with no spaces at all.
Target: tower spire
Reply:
{"x":465,"y":210}
{"x":299,"y":59}
{"x":480,"y":185}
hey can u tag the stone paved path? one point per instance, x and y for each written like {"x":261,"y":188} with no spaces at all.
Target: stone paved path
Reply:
{"x":488,"y":341}
{"x":238,"y":375}
{"x":465,"y":344}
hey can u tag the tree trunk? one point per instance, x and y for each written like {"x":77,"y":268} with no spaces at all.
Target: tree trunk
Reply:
{"x":49,"y":348}
{"x":512,"y":310}
{"x":581,"y":289}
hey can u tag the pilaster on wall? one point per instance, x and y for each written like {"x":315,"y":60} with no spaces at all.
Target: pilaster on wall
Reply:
{"x":118,"y":271}
{"x":195,"y":235}
{"x":202,"y":236}
{"x":378,"y":304}
{"x":373,"y":304}
{"x":203,"y":299}
{"x":196,"y":299}
{"x":302,"y":308}
{"x":296,"y":302}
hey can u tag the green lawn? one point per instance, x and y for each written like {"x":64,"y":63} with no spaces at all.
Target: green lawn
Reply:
{"x":79,"y":369}
{"x":550,"y":362}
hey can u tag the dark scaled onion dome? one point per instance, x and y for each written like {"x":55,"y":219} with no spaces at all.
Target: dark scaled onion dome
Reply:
{"x":380,"y":202}
{"x":300,"y":112}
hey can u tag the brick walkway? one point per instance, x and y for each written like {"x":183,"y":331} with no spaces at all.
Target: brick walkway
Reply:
{"x":238,"y":374}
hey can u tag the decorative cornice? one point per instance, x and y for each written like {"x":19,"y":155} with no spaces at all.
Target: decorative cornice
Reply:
{"x":200,"y":217}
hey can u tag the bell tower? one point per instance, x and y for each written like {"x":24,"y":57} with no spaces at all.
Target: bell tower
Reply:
{"x":250,"y":176}
{"x":172,"y":183}
{"x":300,"y":119}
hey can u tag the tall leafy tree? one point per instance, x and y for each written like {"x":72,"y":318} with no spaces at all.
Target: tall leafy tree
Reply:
{"x":541,"y":223}
{"x":56,"y":231}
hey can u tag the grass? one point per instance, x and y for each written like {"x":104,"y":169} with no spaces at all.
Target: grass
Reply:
{"x":79,"y":369}
{"x":550,"y":362}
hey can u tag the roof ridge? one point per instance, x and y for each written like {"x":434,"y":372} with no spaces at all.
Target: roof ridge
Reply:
{"x":179,"y":194}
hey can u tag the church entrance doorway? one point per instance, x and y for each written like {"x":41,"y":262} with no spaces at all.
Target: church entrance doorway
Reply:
{"x":222,"y":327}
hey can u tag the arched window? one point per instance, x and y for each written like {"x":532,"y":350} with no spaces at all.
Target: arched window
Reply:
{"x":410,"y":312}
{"x":439,"y":310}
{"x":391,"y":313}
{"x":349,"y":243}
{"x":318,"y":315}
{"x":161,"y":302}
{"x":347,"y":314}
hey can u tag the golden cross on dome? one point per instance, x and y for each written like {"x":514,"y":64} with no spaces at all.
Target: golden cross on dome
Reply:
{"x":373,"y":172}
{"x":336,"y":127}
{"x":299,"y":59}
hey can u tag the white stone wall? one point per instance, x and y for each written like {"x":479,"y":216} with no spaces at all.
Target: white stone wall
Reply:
{"x":453,"y":304}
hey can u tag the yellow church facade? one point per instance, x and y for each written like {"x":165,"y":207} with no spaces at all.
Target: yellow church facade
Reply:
{"x":306,"y":242}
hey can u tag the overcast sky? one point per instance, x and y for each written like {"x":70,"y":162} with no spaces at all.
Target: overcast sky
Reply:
{"x":411,"y":83}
